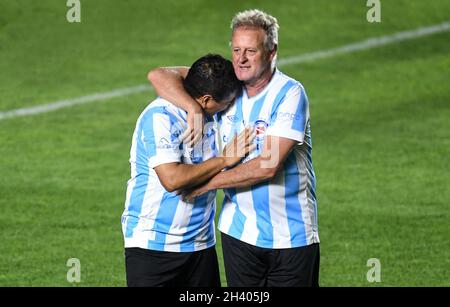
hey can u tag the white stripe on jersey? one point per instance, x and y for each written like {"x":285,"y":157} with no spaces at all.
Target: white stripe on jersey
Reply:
{"x":203,"y":237}
{"x":250,"y":232}
{"x":278,"y":215}
{"x":226,"y":218}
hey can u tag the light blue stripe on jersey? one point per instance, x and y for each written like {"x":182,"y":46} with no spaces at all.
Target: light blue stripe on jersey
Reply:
{"x":279,"y":99}
{"x":293,"y":206}
{"x":256,"y":109}
{"x":196,"y":219}
{"x":260,"y":195}
{"x":300,"y":114}
{"x":237,"y":225}
{"x":163,"y":220}
{"x":136,"y":199}
{"x":183,"y":116}
{"x":239,"y":113}
{"x":137,"y":195}
{"x":260,"y":192}
{"x":211,"y":231}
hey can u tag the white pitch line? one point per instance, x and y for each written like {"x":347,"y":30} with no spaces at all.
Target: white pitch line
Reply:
{"x":308,"y":57}
{"x":366,"y":44}
{"x":44,"y":108}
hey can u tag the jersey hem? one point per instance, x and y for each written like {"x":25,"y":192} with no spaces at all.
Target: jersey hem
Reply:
{"x":164,"y":248}
{"x":315,"y":239}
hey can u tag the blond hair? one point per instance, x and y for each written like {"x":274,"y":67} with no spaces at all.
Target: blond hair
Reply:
{"x":258,"y":19}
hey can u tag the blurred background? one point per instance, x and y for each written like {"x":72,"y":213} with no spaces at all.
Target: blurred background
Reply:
{"x":379,"y":118}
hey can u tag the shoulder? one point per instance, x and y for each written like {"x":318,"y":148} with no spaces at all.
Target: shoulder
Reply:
{"x":162,"y":109}
{"x":284,"y":79}
{"x":283,"y":85}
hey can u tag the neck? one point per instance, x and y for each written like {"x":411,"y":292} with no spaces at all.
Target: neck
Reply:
{"x":255,"y":87}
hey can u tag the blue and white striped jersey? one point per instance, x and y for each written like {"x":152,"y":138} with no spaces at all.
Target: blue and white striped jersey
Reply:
{"x":154,"y":218}
{"x":282,"y":212}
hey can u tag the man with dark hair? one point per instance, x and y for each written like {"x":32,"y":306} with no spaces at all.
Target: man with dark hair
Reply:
{"x":169,"y":242}
{"x":212,"y":76}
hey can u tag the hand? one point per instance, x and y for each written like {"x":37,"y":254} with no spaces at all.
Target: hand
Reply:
{"x":194,"y":131}
{"x":189,"y":195}
{"x":239,"y":147}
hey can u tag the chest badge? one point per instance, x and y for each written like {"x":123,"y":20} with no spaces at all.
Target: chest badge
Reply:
{"x":260,"y":131}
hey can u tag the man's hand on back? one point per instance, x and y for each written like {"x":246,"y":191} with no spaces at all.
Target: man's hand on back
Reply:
{"x":194,"y":131}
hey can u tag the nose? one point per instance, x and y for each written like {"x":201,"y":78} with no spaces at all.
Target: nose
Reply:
{"x":243,"y":57}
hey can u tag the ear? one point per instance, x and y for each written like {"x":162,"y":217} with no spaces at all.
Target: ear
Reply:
{"x":273,"y":52}
{"x":203,"y":100}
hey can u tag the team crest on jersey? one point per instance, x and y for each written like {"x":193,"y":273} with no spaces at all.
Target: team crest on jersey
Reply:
{"x":260,"y":130}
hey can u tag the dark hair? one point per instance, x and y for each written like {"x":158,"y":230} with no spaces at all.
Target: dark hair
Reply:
{"x":212,"y":75}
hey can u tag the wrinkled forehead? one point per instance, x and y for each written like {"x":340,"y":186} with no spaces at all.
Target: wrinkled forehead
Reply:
{"x":248,"y":34}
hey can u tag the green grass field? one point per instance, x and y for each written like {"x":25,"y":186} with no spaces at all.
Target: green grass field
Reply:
{"x":380,"y":122}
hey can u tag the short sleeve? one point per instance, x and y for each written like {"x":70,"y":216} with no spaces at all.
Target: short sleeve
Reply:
{"x":290,"y":117}
{"x":161,"y":138}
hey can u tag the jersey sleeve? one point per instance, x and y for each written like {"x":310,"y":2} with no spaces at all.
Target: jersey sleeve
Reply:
{"x":290,"y":116}
{"x":161,"y":139}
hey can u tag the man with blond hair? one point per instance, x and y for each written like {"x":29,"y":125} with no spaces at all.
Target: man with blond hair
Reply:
{"x":269,"y":215}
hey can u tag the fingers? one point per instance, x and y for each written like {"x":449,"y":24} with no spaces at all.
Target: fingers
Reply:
{"x":188,"y":196}
{"x":188,"y":199}
{"x":245,"y":133}
{"x":185,"y":195}
{"x":186,"y":136}
{"x":193,"y":140}
{"x":197,"y":137}
{"x":247,"y":138}
{"x":246,"y":149}
{"x":242,"y":138}
{"x":195,"y":122}
{"x":250,"y":148}
{"x":239,"y":147}
{"x":191,"y":137}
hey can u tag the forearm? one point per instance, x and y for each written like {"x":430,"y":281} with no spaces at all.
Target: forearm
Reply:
{"x":189,"y":175}
{"x":168,"y":83}
{"x":243,"y":175}
{"x":263,"y":168}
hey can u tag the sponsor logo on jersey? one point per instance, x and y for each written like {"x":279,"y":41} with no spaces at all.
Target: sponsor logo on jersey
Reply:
{"x":163,"y":144}
{"x":233,"y":118}
{"x":286,"y":116}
